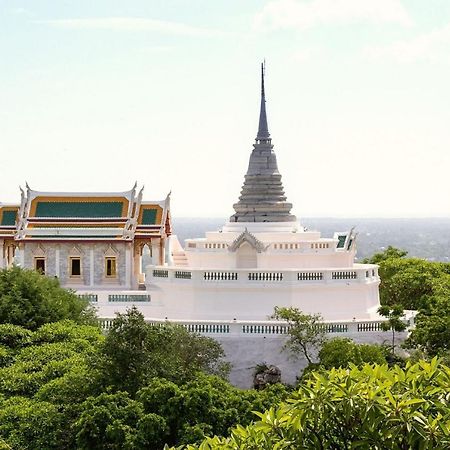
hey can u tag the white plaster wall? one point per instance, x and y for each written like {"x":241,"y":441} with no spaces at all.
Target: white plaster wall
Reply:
{"x":245,"y":353}
{"x":217,"y":300}
{"x":309,"y":260}
{"x":271,"y":259}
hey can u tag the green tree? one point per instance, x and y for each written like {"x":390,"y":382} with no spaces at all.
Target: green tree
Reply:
{"x":204,"y":406}
{"x":394,"y":323}
{"x":306,"y":331}
{"x":30,"y":424}
{"x":432,"y":324}
{"x":369,"y":407}
{"x":47,"y":377}
{"x":134,"y":352}
{"x":341,"y":352}
{"x":108,"y":422}
{"x":30,"y":300}
{"x":409,"y":282}
{"x":389,"y":253}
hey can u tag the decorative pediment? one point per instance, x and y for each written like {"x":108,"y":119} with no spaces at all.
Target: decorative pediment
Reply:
{"x":76,"y":251}
{"x":39,"y":251}
{"x":247,"y":237}
{"x":111,"y":252}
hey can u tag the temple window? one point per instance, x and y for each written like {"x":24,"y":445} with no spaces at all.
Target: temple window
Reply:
{"x":75,"y":267}
{"x":39,"y":265}
{"x":341,"y":241}
{"x":110,"y":267}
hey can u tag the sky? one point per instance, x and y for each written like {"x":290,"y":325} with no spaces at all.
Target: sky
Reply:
{"x":97,"y":95}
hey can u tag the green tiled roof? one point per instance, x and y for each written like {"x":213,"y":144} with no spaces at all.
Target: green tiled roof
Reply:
{"x":79,"y":209}
{"x":149,"y":216}
{"x":9,"y":218}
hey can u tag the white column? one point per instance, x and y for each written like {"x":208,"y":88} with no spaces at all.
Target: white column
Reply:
{"x":22,"y":256}
{"x":168,"y":250}
{"x":128,"y":264}
{"x":91,"y":274}
{"x":57,"y":255}
{"x":155,"y":252}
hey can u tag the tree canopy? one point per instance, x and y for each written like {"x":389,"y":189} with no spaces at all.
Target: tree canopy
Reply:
{"x":408,"y":282}
{"x":30,"y":299}
{"x":66,"y":386}
{"x":343,"y":352}
{"x":369,"y":407}
{"x":306,"y":332}
{"x":134,"y":352}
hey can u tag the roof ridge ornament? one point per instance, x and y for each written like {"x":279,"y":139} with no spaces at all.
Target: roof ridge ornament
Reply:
{"x":251,"y":239}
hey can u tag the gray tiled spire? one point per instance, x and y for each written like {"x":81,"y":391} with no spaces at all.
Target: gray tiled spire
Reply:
{"x":262,"y":196}
{"x":263,"y":129}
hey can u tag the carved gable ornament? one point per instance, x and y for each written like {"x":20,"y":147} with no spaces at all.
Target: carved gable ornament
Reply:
{"x":111,"y":251}
{"x":39,"y":251}
{"x":76,"y":251}
{"x":248,"y":237}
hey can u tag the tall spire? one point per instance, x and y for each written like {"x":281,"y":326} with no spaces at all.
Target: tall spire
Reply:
{"x":262,"y":196}
{"x":263,"y":129}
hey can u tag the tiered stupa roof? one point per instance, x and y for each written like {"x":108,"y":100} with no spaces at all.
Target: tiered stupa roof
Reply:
{"x":262,"y":196}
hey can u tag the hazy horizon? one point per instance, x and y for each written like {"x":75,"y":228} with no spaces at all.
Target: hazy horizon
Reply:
{"x":422,"y":238}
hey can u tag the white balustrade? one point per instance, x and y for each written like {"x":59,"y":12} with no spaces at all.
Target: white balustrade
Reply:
{"x":252,"y":328}
{"x":159,"y":274}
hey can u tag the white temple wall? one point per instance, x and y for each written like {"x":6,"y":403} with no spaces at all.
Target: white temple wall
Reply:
{"x":286,"y":260}
{"x":244,"y":353}
{"x":224,"y":259}
{"x":185,"y":299}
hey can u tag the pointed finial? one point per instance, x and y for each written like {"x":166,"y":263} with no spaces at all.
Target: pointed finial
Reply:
{"x":263,"y":129}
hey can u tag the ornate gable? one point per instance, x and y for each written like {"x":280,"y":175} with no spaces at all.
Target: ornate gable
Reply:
{"x":248,"y":237}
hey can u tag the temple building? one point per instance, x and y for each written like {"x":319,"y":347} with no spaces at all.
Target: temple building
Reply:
{"x":263,"y":257}
{"x":90,"y":241}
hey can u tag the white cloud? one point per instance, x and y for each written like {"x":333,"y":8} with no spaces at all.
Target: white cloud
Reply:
{"x":286,"y":14}
{"x":132,"y":24}
{"x":432,"y":46}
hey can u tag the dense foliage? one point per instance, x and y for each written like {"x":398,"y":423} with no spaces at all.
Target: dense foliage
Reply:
{"x":358,"y":408}
{"x":409,"y":282}
{"x":66,"y":385}
{"x":412,"y":283}
{"x":135,"y":352}
{"x":31,"y":300}
{"x":343,"y":352}
{"x":54,"y":393}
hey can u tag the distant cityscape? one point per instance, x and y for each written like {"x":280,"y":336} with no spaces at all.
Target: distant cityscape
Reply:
{"x":422,"y":238}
